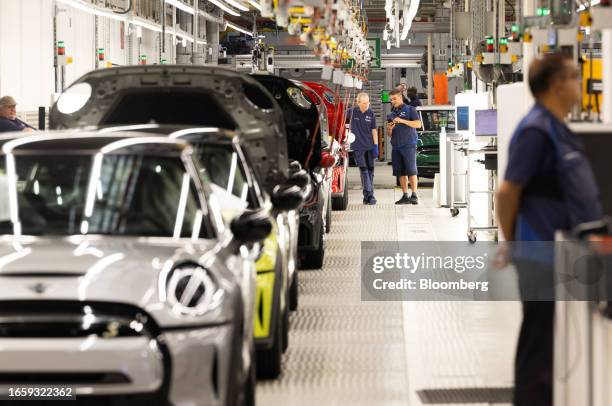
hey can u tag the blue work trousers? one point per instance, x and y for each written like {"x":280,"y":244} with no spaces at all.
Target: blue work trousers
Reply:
{"x":365,"y":162}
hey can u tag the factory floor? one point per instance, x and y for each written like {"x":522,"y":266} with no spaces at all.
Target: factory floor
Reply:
{"x":344,"y":351}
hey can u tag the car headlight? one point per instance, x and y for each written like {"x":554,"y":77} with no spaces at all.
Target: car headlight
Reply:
{"x":190,"y":290}
{"x":297,"y":97}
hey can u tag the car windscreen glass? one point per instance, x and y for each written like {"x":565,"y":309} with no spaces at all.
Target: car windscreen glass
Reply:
{"x":122,"y":195}
{"x":225,"y":170}
{"x":160,"y":106}
{"x":434,"y":120}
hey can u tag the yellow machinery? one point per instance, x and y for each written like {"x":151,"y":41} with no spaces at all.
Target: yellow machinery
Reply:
{"x":592,"y":85}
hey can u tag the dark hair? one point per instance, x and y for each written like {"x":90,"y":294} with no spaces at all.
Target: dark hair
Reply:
{"x":411,"y":92}
{"x":544,"y":70}
{"x":395,"y":91}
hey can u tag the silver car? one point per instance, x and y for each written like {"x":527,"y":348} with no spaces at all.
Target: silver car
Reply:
{"x":118,"y":276}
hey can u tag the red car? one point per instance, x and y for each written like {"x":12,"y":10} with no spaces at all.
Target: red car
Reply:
{"x":336,"y":117}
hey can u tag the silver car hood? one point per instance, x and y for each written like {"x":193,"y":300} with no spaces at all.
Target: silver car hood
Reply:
{"x":94,"y":268}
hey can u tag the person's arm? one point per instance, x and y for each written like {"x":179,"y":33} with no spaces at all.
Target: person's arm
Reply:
{"x":508,"y":202}
{"x":413,"y":119}
{"x":409,"y":123}
{"x":374,"y":130}
{"x":524,"y":157}
{"x":28,"y":128}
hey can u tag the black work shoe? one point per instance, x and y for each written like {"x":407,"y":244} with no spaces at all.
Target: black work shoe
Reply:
{"x":414,"y":199}
{"x":372,"y":201}
{"x":404,"y":200}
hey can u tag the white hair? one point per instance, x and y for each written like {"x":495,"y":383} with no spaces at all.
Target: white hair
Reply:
{"x":362,"y":95}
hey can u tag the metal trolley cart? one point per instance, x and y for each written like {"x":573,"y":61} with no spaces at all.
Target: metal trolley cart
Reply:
{"x":457,"y":170}
{"x":490,"y":163}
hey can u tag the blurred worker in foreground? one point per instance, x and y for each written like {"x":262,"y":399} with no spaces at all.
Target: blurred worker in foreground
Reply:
{"x":365,"y":146}
{"x":402,"y":123}
{"x":548,"y":186}
{"x":402,"y":87}
{"x":412,"y":94}
{"x":8,"y":116}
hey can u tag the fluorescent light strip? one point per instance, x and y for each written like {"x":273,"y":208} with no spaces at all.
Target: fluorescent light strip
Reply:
{"x":255,"y":4}
{"x":238,"y":28}
{"x":593,"y":3}
{"x":237,"y":4}
{"x":90,"y":8}
{"x":225,"y":8}
{"x":181,"y":6}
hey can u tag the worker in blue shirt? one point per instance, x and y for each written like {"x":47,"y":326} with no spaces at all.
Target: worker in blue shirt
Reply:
{"x":365,"y":146}
{"x":8,"y":116}
{"x":548,"y":186}
{"x":402,"y":123}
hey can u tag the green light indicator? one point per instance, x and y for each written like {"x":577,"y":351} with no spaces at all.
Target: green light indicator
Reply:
{"x":143,"y":57}
{"x":503,"y":41}
{"x":490,"y":41}
{"x":514,"y":28}
{"x":163,"y":62}
{"x":60,"y":44}
{"x":100,"y":51}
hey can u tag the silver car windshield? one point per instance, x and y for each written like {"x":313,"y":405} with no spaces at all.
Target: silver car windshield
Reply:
{"x":122,"y":195}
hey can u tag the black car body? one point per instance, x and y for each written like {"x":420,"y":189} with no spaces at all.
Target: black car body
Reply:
{"x":181,"y":95}
{"x":304,"y":145}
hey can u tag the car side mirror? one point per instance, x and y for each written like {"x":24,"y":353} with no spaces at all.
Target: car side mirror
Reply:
{"x":294,"y":166}
{"x":300,"y":179}
{"x":287,"y":197}
{"x":251,"y":226}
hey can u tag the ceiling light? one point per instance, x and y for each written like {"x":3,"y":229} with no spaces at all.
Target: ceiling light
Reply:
{"x":180,"y":5}
{"x":237,"y":4}
{"x":238,"y":28}
{"x":255,"y":4}
{"x":225,"y":8}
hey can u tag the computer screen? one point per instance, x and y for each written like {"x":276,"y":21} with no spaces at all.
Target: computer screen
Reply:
{"x":434,"y":120}
{"x":597,"y":148}
{"x":463,"y":118}
{"x":486,"y":123}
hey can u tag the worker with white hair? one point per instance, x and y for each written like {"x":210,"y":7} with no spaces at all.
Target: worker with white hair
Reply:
{"x":365,"y":145}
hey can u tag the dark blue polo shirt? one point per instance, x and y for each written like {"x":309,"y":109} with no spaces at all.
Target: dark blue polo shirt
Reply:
{"x":402,"y":134}
{"x":7,"y":125}
{"x":533,"y":163}
{"x":362,"y":125}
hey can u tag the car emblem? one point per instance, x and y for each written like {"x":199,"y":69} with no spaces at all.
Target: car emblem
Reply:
{"x":39,"y":287}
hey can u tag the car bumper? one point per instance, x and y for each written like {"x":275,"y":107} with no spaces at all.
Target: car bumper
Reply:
{"x":172,"y":367}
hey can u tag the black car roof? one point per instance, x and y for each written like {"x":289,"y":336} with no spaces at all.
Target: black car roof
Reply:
{"x":163,"y":69}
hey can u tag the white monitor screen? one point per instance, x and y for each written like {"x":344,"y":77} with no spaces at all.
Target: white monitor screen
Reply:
{"x":486,"y":123}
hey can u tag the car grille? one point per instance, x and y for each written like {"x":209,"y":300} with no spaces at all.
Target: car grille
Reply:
{"x":59,"y":319}
{"x":67,"y":319}
{"x":428,"y":150}
{"x":98,"y":378}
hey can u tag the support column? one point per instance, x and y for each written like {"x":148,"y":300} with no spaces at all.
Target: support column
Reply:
{"x":606,"y":44}
{"x":212,"y":36}
{"x":528,"y":54}
{"x":429,"y":71}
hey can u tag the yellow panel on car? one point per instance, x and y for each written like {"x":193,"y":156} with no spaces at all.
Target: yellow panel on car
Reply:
{"x":267,"y":259}
{"x":263,"y":304}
